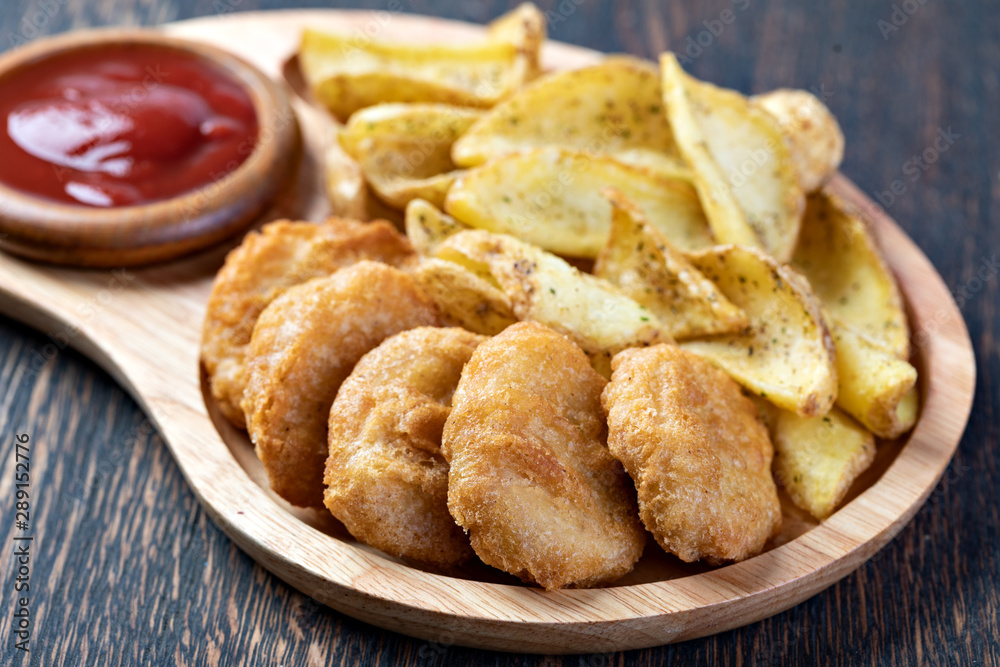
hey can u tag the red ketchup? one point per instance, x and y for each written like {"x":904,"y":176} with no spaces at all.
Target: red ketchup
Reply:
{"x":122,"y":125}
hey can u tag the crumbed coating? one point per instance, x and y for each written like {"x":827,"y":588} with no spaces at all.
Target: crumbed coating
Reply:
{"x":267,"y":263}
{"x":305,"y":344}
{"x":531,"y":479}
{"x":697,"y":451}
{"x":386,"y":479}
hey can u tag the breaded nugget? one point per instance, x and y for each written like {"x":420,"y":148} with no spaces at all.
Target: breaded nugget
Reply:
{"x":267,"y":263}
{"x":386,"y":479}
{"x":697,"y":451}
{"x":531,"y":479}
{"x":304,"y":345}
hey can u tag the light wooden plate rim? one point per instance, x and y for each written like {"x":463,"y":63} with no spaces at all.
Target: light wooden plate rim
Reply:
{"x":363,"y":584}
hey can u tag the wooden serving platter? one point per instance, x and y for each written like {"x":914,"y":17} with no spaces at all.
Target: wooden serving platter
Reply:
{"x":144,"y":327}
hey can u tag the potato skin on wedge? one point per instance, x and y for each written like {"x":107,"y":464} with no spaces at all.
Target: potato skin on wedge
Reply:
{"x":552,"y":198}
{"x":786,"y":355}
{"x":741,"y":162}
{"x":613,"y":108}
{"x":644,"y":265}
{"x":814,"y":136}
{"x":840,"y":257}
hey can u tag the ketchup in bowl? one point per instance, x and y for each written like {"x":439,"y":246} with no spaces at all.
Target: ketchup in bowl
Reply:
{"x":122,"y":125}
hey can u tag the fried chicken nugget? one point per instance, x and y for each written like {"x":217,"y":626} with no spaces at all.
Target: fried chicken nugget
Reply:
{"x":305,"y":344}
{"x":386,"y":479}
{"x":267,"y":263}
{"x":697,"y":451}
{"x":531,"y":479}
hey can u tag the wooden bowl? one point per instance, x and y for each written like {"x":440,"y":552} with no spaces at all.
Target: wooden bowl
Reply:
{"x":144,"y":327}
{"x":161,"y":230}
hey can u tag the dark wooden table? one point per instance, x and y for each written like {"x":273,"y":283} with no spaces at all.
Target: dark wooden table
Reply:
{"x":128,"y":570}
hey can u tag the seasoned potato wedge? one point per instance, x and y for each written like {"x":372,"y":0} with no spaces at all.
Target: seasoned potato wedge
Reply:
{"x":817,"y":459}
{"x":464,"y":298}
{"x":613,"y":108}
{"x":551,"y":197}
{"x":838,"y":255}
{"x":544,"y":288}
{"x":427,"y":226}
{"x":741,"y":163}
{"x":404,"y":150}
{"x":431,"y":128}
{"x":345,"y":184}
{"x":644,"y":265}
{"x":876,"y":388}
{"x":524,"y":27}
{"x":786,"y":354}
{"x":813,"y":134}
{"x":347,"y":73}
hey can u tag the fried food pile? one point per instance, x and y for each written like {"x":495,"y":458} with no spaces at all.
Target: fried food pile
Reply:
{"x":626,"y":304}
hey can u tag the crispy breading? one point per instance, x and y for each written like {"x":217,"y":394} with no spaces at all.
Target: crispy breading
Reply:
{"x":267,"y":263}
{"x":305,"y":344}
{"x":531,"y":479}
{"x":697,"y":451}
{"x":386,"y":478}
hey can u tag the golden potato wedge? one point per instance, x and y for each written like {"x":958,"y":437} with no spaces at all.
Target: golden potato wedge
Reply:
{"x":525,"y":28}
{"x":813,"y":134}
{"x":842,"y":262}
{"x":350,"y":72}
{"x":430,"y":128}
{"x":741,"y":162}
{"x":344,"y":183}
{"x":818,"y":458}
{"x":644,"y":265}
{"x":613,"y":108}
{"x":876,"y":388}
{"x":465,"y":299}
{"x":551,"y":197}
{"x":427,"y":226}
{"x":786,"y":355}
{"x":546,"y":289}
{"x":404,"y":150}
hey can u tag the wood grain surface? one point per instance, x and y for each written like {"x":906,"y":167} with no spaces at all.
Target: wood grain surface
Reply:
{"x":127,"y":569}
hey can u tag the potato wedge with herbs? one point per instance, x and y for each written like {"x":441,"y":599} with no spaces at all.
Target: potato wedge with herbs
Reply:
{"x":613,"y":108}
{"x":552,"y":198}
{"x":817,"y":459}
{"x":876,"y":388}
{"x":546,"y":289}
{"x":842,"y":262}
{"x":813,"y":134}
{"x":786,"y":355}
{"x":525,"y":28}
{"x":427,"y":226}
{"x":644,"y":265}
{"x":350,"y":72}
{"x":404,"y":150}
{"x":465,"y":299}
{"x":741,"y":162}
